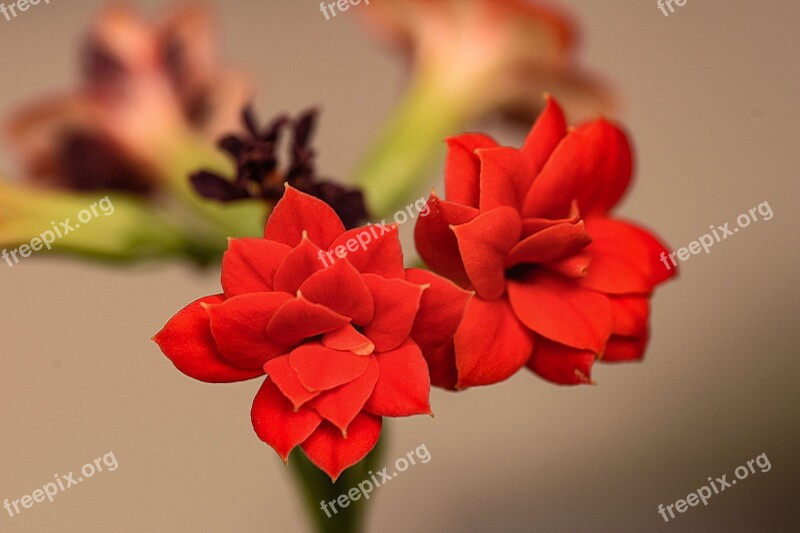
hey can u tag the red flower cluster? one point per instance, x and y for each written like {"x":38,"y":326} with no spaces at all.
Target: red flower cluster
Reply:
{"x":341,"y":345}
{"x":559,"y":284}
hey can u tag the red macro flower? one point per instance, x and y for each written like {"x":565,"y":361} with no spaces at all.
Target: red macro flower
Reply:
{"x":341,"y":345}
{"x":558,"y":282}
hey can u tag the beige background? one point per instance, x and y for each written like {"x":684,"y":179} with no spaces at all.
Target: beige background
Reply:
{"x":712,"y":103}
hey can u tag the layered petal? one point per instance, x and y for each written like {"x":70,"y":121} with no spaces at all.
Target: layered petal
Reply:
{"x":403,"y":386}
{"x":332,"y":452}
{"x":249,"y":265}
{"x":239,"y":326}
{"x":372,"y":249}
{"x":297,"y":212}
{"x":484,"y":243}
{"x":282,"y":374}
{"x":320,"y":368}
{"x":437,"y":244}
{"x":298,"y":319}
{"x":341,"y":405}
{"x":396,"y":304}
{"x":343,"y":290}
{"x":561,"y":364}
{"x":298,"y":266}
{"x":548,"y":130}
{"x":491,"y":344}
{"x":625,"y":258}
{"x":592,"y":164}
{"x":347,"y":338}
{"x":277,"y":423}
{"x":561,"y":311}
{"x":555,"y":243}
{"x":187,"y":341}
{"x":505,"y":178}
{"x":462,"y":167}
{"x":440,"y":310}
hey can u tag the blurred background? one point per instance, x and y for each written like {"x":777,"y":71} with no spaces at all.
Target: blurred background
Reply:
{"x":710,"y":97}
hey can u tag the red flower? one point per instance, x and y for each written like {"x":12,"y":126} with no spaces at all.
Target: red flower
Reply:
{"x":559,"y":284}
{"x":341,"y":345}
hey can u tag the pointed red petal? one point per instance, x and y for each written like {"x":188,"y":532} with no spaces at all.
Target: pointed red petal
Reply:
{"x":404,"y":385}
{"x":342,"y":404}
{"x":551,"y":244}
{"x":297,"y":212}
{"x":320,"y":368}
{"x":396,"y":305}
{"x":277,"y":423}
{"x":592,"y":164}
{"x":491,"y":344}
{"x":298,"y":266}
{"x":546,"y":134}
{"x":561,"y":364}
{"x":348,"y":339}
{"x":562,"y":311}
{"x":187,"y":341}
{"x":484,"y":243}
{"x":372,"y":249}
{"x":576,"y":266}
{"x":436,"y":242}
{"x":343,"y":290}
{"x":625,"y":258}
{"x":285,"y":378}
{"x":535,"y":225}
{"x":624,"y":349}
{"x":505,"y":178}
{"x":299,"y":319}
{"x":462,"y":167}
{"x":440,"y":310}
{"x":239,"y":326}
{"x":333,"y":453}
{"x":249,"y":265}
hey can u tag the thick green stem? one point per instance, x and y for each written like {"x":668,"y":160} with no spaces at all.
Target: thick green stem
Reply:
{"x":396,"y":165}
{"x":317,"y":487}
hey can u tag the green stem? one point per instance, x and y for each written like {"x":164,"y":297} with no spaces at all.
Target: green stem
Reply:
{"x":317,"y":487}
{"x":396,"y":166}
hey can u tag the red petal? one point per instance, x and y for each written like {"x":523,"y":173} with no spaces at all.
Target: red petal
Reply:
{"x":491,"y":344}
{"x":396,"y":304}
{"x":442,"y":366}
{"x":285,"y":378}
{"x":546,"y":134}
{"x":505,"y":178}
{"x":592,"y":164}
{"x":551,"y":244}
{"x":562,"y":364}
{"x":630,"y":314}
{"x":625,"y":258}
{"x":187,"y":341}
{"x":299,"y":319}
{"x":484,"y":243}
{"x":277,"y":423}
{"x":348,"y":339}
{"x":562,"y":311}
{"x":436,"y":242}
{"x":333,"y":453}
{"x":623,"y":349}
{"x":297,"y":212}
{"x":298,"y":266}
{"x":341,"y":289}
{"x":535,"y":225}
{"x":404,"y":385}
{"x":372,"y":249}
{"x":320,"y":368}
{"x":239,"y":326}
{"x":249,"y":265}
{"x":462,"y":167}
{"x":440,"y":310}
{"x":342,"y":404}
